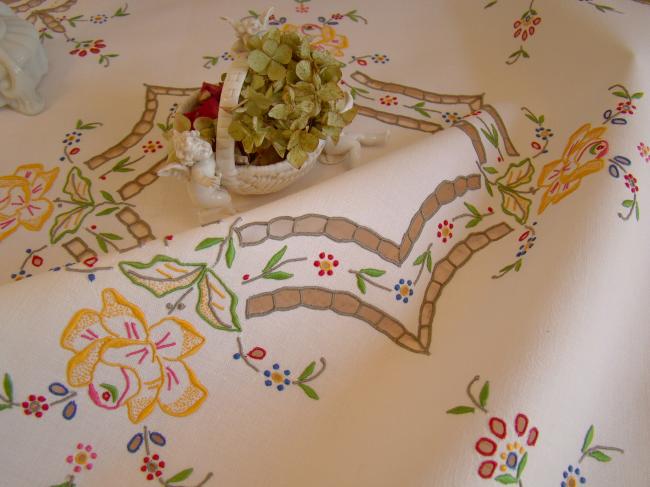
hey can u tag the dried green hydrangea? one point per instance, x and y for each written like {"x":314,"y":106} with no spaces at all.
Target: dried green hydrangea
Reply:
{"x":290,"y":98}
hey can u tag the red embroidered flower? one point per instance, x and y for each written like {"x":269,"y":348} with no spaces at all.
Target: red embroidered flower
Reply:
{"x":84,"y":47}
{"x":152,"y":146}
{"x":388,"y":100}
{"x":302,"y":8}
{"x":630,"y":183}
{"x":510,"y":453}
{"x":626,"y":107}
{"x":337,"y":16}
{"x":526,"y":25}
{"x":444,"y":231}
{"x":326,"y":264}
{"x":152,"y":466}
{"x":82,"y":459}
{"x":644,"y":151}
{"x":35,"y":405}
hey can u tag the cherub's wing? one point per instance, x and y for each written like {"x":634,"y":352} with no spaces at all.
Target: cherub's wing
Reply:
{"x":176,"y":170}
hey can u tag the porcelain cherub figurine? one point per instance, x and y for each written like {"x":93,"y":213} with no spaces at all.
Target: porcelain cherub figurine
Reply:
{"x":22,"y":63}
{"x":198,"y":167}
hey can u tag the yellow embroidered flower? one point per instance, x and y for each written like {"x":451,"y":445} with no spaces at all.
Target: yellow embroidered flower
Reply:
{"x":562,"y":176}
{"x":124,"y":361}
{"x":21,"y":198}
{"x":324,"y":37}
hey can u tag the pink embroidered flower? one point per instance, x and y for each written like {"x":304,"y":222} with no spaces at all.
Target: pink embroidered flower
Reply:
{"x":626,"y":107}
{"x":35,"y":405}
{"x":388,"y":100}
{"x":630,"y":183}
{"x":153,"y":466}
{"x":326,"y":264}
{"x":644,"y":151}
{"x":82,"y":459}
{"x":526,"y":25}
{"x":152,"y":146}
{"x":444,"y":231}
{"x":507,"y":454}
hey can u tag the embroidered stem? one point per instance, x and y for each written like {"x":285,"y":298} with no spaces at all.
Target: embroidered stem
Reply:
{"x":272,"y":269}
{"x":599,"y":447}
{"x":146,"y":441}
{"x":422,"y":264}
{"x":200,"y":484}
{"x":471,"y":396}
{"x":178,"y":301}
{"x":67,"y":156}
{"x":368,"y":280}
{"x":126,"y":164}
{"x":243,"y":356}
{"x":494,"y":143}
{"x":7,"y":401}
{"x":226,"y":240}
{"x":106,"y":240}
{"x":88,"y":271}
{"x":620,"y":215}
{"x":315,"y":376}
{"x":64,"y":399}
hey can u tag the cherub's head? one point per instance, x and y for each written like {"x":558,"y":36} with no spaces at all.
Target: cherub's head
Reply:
{"x":190,"y":147}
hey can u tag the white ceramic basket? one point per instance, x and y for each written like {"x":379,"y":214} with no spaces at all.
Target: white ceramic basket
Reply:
{"x":247,"y":179}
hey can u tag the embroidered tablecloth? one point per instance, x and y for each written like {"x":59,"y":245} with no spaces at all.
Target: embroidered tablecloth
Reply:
{"x":468,"y":307}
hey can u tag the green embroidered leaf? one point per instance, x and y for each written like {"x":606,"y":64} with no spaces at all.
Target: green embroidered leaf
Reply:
{"x":522,"y":465}
{"x":620,"y":94}
{"x":107,"y":196}
{"x":506,"y":479}
{"x":209,"y":242}
{"x":472,"y":209}
{"x":108,"y":211}
{"x":488,"y":187}
{"x":112,"y":389}
{"x":637,"y":95}
{"x":490,"y":170}
{"x":102,"y":244}
{"x":162,"y":275}
{"x":518,"y":174}
{"x":637,"y":211}
{"x":372,"y":272}
{"x":461,"y":410}
{"x":8,"y":387}
{"x":429,"y":263}
{"x":420,"y":259}
{"x":517,"y":265}
{"x":422,"y":112}
{"x":180,"y":476}
{"x":361,"y":284}
{"x":514,"y":204}
{"x":541,"y":119}
{"x":532,"y":118}
{"x":275,"y":259}
{"x":589,"y":437}
{"x":473,"y":222}
{"x":492,"y":135}
{"x":484,"y":394}
{"x":68,"y":222}
{"x":311,"y":393}
{"x":600,"y":456}
{"x":217,"y":304}
{"x":307,"y":372}
{"x":4,"y":406}
{"x":278,"y":276}
{"x":87,"y":126}
{"x":111,"y":236}
{"x":230,"y":253}
{"x":78,"y":187}
{"x":493,"y":2}
{"x":67,"y":483}
{"x":628,"y":203}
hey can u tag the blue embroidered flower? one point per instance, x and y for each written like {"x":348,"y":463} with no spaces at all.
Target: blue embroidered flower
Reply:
{"x":404,"y":290}
{"x":276,"y":377}
{"x":72,"y":138}
{"x":523,"y":249}
{"x":572,"y":477}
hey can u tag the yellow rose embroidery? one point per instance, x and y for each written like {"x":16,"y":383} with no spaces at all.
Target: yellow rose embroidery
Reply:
{"x":21,"y":198}
{"x":124,"y":361}
{"x":325,"y":37}
{"x":562,"y":176}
